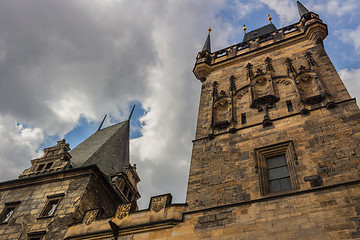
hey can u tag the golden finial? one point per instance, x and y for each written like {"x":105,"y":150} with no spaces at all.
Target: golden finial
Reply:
{"x":209,"y":30}
{"x":269,"y":17}
{"x":244,"y":28}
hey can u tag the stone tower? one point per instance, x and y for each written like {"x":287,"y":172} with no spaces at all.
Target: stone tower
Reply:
{"x":274,"y":118}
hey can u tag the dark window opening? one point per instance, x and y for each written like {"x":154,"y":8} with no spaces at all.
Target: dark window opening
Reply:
{"x":50,"y":208}
{"x":289,"y":106}
{"x":243,"y":118}
{"x":41,"y":166}
{"x":126,"y":190}
{"x":278,"y":174}
{"x":36,"y":235}
{"x":130,"y":196}
{"x":6,"y":215}
{"x":49,"y":165}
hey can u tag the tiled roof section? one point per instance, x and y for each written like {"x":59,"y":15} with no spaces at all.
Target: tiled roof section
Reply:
{"x":259,"y":32}
{"x":108,"y":148}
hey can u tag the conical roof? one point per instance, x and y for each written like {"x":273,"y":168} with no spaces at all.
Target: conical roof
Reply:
{"x":302,"y":9}
{"x":207,"y":46}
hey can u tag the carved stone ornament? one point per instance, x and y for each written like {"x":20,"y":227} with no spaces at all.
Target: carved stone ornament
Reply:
{"x":283,"y":81}
{"x":158,"y":203}
{"x":90,"y":216}
{"x":123,"y":210}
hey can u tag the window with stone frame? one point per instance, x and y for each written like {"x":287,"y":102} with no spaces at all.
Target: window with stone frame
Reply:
{"x":53,"y":202}
{"x":36,"y":235}
{"x":275,"y":166}
{"x":8,"y":212}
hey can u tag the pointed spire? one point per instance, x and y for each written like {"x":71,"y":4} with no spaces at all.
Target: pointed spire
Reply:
{"x":301,"y":8}
{"x":207,"y":46}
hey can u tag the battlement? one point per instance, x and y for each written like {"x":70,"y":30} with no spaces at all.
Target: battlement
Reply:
{"x":309,"y":26}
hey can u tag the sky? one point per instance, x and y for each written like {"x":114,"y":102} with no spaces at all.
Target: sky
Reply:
{"x":65,"y":64}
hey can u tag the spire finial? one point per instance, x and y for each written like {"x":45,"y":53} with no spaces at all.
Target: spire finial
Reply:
{"x":207,"y":46}
{"x":102,"y":122}
{"x":244,"y":28}
{"x":269,"y":17}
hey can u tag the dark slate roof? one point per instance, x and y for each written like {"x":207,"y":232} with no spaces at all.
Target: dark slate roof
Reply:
{"x":302,"y":9}
{"x":260,"y":32}
{"x":207,"y":46}
{"x":108,"y":148}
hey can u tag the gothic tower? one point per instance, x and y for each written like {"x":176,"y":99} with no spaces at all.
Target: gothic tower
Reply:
{"x":274,"y":119}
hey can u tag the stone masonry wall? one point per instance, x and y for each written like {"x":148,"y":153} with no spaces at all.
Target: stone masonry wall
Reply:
{"x":33,"y":199}
{"x":331,"y":213}
{"x":326,"y":141}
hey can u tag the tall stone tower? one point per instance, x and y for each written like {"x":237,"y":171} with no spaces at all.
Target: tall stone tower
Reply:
{"x":274,"y":119}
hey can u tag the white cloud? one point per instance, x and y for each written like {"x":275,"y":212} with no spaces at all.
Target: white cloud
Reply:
{"x":351,"y":37}
{"x":286,"y":10}
{"x":335,"y":8}
{"x":17,"y":144}
{"x":351,"y":78}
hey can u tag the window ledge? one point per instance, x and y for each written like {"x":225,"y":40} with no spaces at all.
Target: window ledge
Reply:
{"x":44,"y":217}
{"x":287,"y":192}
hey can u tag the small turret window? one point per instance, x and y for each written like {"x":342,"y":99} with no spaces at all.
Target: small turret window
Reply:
{"x":41,"y":166}
{"x":289,"y":106}
{"x":49,"y":165}
{"x":243,"y":118}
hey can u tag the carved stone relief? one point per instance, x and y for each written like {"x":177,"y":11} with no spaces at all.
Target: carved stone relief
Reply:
{"x":90,"y":216}
{"x":310,"y":88}
{"x":158,"y":203}
{"x":123,"y":210}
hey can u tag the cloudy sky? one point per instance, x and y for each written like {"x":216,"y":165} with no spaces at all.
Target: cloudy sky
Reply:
{"x":65,"y":64}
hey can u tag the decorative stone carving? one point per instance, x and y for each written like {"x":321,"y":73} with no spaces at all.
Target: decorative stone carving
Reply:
{"x":221,"y":114}
{"x":263,"y":91}
{"x":158,"y":203}
{"x":123,"y":210}
{"x":283,"y":81}
{"x":250,"y":72}
{"x":232,"y":84}
{"x":310,"y":59}
{"x":310,"y":88}
{"x":302,"y":69}
{"x":90,"y":216}
{"x":290,"y":66}
{"x":241,"y":92}
{"x":269,"y":66}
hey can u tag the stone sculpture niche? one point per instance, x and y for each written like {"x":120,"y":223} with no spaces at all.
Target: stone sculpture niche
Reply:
{"x":310,"y":88}
{"x":262,"y":91}
{"x":221,"y":108}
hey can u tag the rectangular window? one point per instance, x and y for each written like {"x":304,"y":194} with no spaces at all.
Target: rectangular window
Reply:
{"x":36,"y":235}
{"x":278,"y":174}
{"x":243,"y":118}
{"x":275,"y":165}
{"x":51,"y":205}
{"x":289,"y":106}
{"x":6,"y":215}
{"x":48,"y":165}
{"x":41,"y":166}
{"x":8,"y":211}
